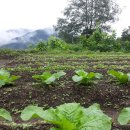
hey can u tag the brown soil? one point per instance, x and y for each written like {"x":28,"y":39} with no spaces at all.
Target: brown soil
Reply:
{"x":111,"y":96}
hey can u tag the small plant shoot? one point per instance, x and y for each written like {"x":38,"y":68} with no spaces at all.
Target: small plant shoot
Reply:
{"x":48,"y":78}
{"x":121,"y":77}
{"x":85,"y":78}
{"x":6,"y":78}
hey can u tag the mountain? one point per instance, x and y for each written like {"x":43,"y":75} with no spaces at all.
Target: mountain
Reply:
{"x":7,"y":35}
{"x":22,"y":42}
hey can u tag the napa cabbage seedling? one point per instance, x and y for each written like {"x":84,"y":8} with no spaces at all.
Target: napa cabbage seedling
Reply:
{"x":124,"y":116}
{"x":70,"y":116}
{"x":48,"y":78}
{"x":85,"y":78}
{"x":6,"y":78}
{"x":121,"y":77}
{"x":4,"y":114}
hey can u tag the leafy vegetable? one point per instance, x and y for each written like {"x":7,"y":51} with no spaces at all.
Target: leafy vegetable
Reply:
{"x":120,"y":76}
{"x":4,"y":114}
{"x":31,"y":112}
{"x":83,"y":77}
{"x":72,"y":116}
{"x":124,"y":116}
{"x":6,"y":78}
{"x":48,"y":78}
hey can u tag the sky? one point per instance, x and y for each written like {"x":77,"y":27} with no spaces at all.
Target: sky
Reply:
{"x":35,"y":14}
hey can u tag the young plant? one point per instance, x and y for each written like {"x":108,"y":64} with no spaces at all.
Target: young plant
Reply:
{"x":48,"y":78}
{"x":70,"y":116}
{"x":85,"y":78}
{"x":6,"y":78}
{"x":121,"y":77}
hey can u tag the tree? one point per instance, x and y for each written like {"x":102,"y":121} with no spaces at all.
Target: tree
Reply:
{"x":126,"y":34}
{"x":82,"y":17}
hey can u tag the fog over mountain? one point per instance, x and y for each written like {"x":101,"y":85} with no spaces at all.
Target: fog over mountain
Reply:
{"x":21,"y":38}
{"x":7,"y":35}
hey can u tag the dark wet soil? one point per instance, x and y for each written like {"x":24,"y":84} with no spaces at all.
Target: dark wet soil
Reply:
{"x":111,"y":96}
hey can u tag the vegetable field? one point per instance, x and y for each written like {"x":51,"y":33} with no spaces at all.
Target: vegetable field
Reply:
{"x":52,"y":79}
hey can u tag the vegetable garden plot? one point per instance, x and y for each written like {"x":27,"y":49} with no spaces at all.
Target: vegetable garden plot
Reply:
{"x":111,"y":95}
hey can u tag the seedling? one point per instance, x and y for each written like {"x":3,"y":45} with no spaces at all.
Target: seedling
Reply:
{"x":85,"y":78}
{"x":48,"y":78}
{"x":121,"y":77}
{"x":6,"y":78}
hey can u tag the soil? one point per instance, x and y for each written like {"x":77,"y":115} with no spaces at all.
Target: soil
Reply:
{"x":111,"y":96}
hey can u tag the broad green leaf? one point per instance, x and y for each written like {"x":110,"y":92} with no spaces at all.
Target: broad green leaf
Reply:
{"x":86,"y":78}
{"x":46,"y":75}
{"x":91,"y":75}
{"x":81,"y":73}
{"x":123,"y":78}
{"x":50,"y":80}
{"x":59,"y":74}
{"x":58,"y":119}
{"x":4,"y":73}
{"x":5,"y":114}
{"x":77,"y":78}
{"x":120,"y":76}
{"x":114,"y":73}
{"x":98,"y":75}
{"x":6,"y":78}
{"x":95,"y":119}
{"x":31,"y":112}
{"x":124,"y":116}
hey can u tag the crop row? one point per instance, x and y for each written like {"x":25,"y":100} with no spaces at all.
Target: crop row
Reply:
{"x":80,"y":77}
{"x":70,"y":116}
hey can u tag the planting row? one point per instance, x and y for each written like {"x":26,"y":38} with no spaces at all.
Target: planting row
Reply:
{"x":81,"y":77}
{"x":70,"y":116}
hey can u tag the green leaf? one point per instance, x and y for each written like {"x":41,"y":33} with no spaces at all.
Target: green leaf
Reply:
{"x":95,"y":119}
{"x":120,"y":76}
{"x":77,"y":78}
{"x":2,"y":83}
{"x":114,"y":73}
{"x":91,"y":75}
{"x":31,"y":112}
{"x":50,"y":80}
{"x":4,"y":73}
{"x":124,"y":116}
{"x":98,"y":75}
{"x":59,"y":74}
{"x":81,"y":73}
{"x":5,"y":114}
{"x":86,"y":78}
{"x":6,"y":78}
{"x":46,"y":75}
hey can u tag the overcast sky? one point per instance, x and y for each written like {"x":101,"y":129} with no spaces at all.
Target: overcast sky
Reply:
{"x":34,"y":14}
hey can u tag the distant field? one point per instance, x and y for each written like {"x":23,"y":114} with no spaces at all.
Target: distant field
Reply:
{"x":109,"y":94}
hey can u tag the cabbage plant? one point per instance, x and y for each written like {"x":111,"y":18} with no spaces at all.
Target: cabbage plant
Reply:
{"x":6,"y":78}
{"x":48,"y":78}
{"x":121,"y":77}
{"x":70,"y":116}
{"x":86,"y":78}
